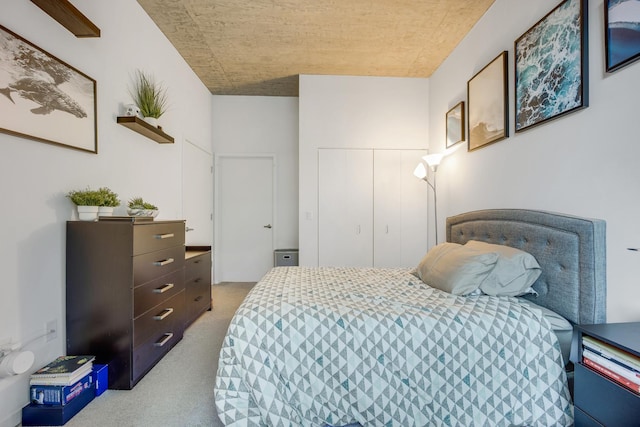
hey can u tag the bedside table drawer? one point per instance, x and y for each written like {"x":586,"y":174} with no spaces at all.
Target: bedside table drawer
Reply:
{"x":153,"y":237}
{"x":606,"y":402}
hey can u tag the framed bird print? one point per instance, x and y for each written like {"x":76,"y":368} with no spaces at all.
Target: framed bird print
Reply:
{"x":43,"y":98}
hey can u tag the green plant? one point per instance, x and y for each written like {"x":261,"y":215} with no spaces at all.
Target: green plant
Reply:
{"x":139,"y":203}
{"x":87,"y":197}
{"x":149,"y":96}
{"x":108,"y":197}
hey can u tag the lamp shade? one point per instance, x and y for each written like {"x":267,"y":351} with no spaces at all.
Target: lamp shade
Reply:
{"x":433,"y":160}
{"x":420,"y":171}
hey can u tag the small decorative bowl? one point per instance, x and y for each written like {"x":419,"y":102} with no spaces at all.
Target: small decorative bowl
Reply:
{"x":143,"y":212}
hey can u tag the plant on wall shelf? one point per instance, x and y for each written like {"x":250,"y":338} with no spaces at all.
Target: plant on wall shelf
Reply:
{"x":148,"y":95}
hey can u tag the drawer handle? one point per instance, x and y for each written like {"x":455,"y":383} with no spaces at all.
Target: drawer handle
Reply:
{"x":165,"y":313}
{"x":164,"y":236}
{"x":163,"y":289}
{"x":163,"y":262}
{"x":199,"y":298}
{"x":165,"y":339}
{"x":198,"y":280}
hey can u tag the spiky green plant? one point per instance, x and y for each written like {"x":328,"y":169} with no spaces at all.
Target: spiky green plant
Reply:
{"x":149,"y":96}
{"x":139,"y":203}
{"x":86,"y":197}
{"x":109,"y":198}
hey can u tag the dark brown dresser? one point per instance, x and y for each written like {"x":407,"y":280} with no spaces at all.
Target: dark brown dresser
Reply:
{"x":125,"y":298}
{"x":197,"y":271}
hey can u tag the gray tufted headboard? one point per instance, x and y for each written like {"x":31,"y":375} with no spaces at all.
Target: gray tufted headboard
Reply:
{"x":569,"y":249}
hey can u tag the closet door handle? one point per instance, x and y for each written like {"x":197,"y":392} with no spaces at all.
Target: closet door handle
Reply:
{"x":164,"y":236}
{"x":163,"y":262}
{"x":165,"y":313}
{"x":163,"y":289}
{"x":165,"y":339}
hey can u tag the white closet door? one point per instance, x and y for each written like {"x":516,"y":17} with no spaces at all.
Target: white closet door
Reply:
{"x":345,"y":211}
{"x":400,"y":209}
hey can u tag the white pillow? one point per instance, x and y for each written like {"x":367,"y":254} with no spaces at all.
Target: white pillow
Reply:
{"x":455,"y":268}
{"x":514,"y":273}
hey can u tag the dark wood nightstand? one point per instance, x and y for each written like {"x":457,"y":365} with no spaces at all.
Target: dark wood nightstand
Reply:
{"x":598,"y":400}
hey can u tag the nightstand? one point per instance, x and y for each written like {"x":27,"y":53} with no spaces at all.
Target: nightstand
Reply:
{"x":599,"y":401}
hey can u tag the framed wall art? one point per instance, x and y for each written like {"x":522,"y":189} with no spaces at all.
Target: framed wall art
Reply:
{"x":488,"y":98}
{"x":551,"y":66}
{"x":455,"y":125}
{"x":43,"y":98}
{"x":622,"y":32}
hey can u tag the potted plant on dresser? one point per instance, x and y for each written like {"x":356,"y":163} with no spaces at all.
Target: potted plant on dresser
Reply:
{"x":138,"y":207}
{"x":109,"y":200}
{"x":87,"y":202}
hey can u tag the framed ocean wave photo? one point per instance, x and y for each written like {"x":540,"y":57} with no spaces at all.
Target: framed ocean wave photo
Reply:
{"x":622,"y":32}
{"x":552,"y":66}
{"x":488,"y":101}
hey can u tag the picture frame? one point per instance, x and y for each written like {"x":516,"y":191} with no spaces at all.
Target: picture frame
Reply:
{"x":622,"y":33}
{"x":43,"y":98}
{"x":552,"y":66}
{"x":488,"y":104}
{"x":455,"y":125}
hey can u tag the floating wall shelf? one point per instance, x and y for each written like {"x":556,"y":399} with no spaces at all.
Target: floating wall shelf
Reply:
{"x":69,"y":17}
{"x":136,"y":124}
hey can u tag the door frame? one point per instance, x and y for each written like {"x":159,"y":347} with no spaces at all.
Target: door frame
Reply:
{"x":216,"y":201}
{"x":211,"y":159}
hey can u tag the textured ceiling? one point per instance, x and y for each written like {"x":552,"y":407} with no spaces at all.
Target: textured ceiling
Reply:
{"x":259,"y":47}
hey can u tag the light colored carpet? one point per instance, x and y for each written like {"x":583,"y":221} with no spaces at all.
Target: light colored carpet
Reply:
{"x":178,"y":391}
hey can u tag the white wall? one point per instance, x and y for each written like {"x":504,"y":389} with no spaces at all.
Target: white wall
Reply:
{"x":353,"y":112}
{"x":264,"y":125}
{"x":585,"y":163}
{"x":34,"y":177}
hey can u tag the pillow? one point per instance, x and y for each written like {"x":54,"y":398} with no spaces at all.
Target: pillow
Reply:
{"x":514,"y":273}
{"x":455,"y":268}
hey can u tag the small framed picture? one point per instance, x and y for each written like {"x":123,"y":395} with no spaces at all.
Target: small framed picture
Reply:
{"x":621,"y":32}
{"x":488,"y":97}
{"x":455,"y":125}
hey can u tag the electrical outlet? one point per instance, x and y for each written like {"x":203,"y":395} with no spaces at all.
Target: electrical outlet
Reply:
{"x":51,"y":330}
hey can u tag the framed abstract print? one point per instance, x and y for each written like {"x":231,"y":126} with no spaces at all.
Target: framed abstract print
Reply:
{"x":551,"y":66}
{"x":488,"y":99}
{"x":43,"y":98}
{"x":621,"y":32}
{"x":455,"y":125}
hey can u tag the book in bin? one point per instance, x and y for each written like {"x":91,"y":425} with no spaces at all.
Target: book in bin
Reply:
{"x":59,"y":394}
{"x":65,"y":370}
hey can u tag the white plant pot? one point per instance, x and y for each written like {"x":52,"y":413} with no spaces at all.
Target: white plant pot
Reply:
{"x":152,"y":121}
{"x":105,"y":211}
{"x":87,"y":213}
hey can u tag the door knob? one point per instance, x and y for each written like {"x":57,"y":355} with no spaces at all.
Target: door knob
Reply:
{"x":267,"y":226}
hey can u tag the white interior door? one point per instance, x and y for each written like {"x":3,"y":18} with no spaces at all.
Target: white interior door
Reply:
{"x":197,"y":194}
{"x":345,"y":208}
{"x":244,"y":217}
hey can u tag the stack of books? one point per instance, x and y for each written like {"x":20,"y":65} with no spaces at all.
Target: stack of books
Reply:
{"x":62,"y":380}
{"x":612,"y":362}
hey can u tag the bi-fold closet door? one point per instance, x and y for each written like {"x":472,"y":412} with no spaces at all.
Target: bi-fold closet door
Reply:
{"x":372,"y":210}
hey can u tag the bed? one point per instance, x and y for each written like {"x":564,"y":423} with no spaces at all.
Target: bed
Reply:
{"x":363,"y":346}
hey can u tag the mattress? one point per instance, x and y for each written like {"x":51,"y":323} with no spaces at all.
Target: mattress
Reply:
{"x":335,"y":346}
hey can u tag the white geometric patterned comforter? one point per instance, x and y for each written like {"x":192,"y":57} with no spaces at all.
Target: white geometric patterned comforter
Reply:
{"x":333,"y":346}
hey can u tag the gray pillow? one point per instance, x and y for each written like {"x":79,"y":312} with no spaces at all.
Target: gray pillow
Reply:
{"x":514,"y":273}
{"x":455,"y":268}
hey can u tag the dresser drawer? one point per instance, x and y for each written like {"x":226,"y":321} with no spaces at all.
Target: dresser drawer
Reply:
{"x":156,"y":236}
{"x":198,"y":266}
{"x":198,"y":298}
{"x":151,"y":266}
{"x":166,"y":317}
{"x":149,"y":352}
{"x":607,"y":402}
{"x":154,"y":292}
